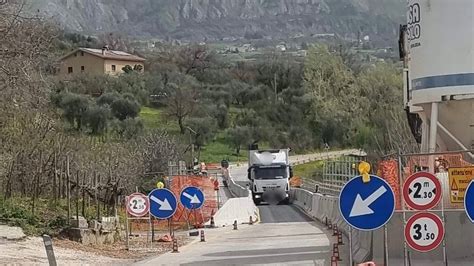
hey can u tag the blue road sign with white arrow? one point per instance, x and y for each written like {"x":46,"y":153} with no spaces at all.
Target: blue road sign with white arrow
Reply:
{"x":367,"y":206}
{"x":162,"y":203}
{"x":192,"y":198}
{"x":469,"y":201}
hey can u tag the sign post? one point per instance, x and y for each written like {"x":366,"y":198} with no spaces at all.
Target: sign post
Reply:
{"x":424,"y":231}
{"x":422,"y":191}
{"x":138,"y":206}
{"x":192,"y":198}
{"x":163,"y":203}
{"x":48,"y":245}
{"x":367,"y":206}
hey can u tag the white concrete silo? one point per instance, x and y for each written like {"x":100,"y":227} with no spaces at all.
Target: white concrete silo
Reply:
{"x":440,"y":76}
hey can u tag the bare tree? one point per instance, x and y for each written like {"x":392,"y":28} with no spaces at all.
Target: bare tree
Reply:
{"x":25,"y":55}
{"x":181,"y":102}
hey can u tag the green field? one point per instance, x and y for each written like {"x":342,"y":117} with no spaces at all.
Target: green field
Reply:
{"x":307,"y":169}
{"x":213,"y":152}
{"x":154,"y":118}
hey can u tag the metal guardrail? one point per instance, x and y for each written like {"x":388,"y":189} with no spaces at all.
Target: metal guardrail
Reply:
{"x":335,"y":173}
{"x":321,"y":187}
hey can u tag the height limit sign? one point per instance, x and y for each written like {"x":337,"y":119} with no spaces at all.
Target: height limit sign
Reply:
{"x":422,"y":191}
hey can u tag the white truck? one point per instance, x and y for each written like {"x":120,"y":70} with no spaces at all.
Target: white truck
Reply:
{"x":269,"y":173}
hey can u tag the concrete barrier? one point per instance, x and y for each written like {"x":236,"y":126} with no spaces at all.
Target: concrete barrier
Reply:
{"x":320,"y":207}
{"x":237,"y":190}
{"x":239,"y":208}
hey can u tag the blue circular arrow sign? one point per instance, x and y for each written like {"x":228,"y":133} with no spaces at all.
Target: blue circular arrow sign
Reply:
{"x":469,"y":201}
{"x":162,"y":203}
{"x":192,"y":198}
{"x":367,"y":206}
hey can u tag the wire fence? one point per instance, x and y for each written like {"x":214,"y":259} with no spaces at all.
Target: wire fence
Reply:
{"x":333,"y":176}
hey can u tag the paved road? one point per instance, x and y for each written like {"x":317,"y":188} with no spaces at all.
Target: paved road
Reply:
{"x":297,"y":243}
{"x":285,"y":236}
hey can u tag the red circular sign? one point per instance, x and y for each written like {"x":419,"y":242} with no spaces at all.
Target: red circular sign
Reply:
{"x":422,"y":191}
{"x":424,"y":231}
{"x":137,"y":204}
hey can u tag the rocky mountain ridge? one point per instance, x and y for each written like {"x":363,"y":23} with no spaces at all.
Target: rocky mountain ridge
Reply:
{"x":201,"y":20}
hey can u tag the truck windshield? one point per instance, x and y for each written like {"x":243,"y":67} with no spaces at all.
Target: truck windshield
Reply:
{"x":270,"y":173}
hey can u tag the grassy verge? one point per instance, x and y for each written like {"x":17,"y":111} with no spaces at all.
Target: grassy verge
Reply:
{"x":154,"y":118}
{"x":218,"y":150}
{"x":307,"y":169}
{"x":214,"y":151}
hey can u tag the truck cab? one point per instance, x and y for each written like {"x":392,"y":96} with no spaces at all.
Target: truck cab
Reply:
{"x":269,"y":173}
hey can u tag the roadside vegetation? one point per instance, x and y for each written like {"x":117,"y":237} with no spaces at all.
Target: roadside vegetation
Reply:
{"x":306,"y":170}
{"x":103,"y":137}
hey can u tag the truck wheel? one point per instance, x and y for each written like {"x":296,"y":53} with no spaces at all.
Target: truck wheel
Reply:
{"x":285,"y":201}
{"x":257,"y":201}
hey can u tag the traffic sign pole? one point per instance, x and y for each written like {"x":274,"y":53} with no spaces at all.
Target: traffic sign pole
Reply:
{"x":192,"y":198}
{"x":137,"y":206}
{"x":422,"y":191}
{"x":405,"y":248}
{"x":163,"y":203}
{"x":424,"y":231}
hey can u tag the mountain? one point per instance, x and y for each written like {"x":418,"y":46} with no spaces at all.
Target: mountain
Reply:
{"x":201,"y":20}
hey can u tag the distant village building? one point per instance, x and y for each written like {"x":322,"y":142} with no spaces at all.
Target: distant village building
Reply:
{"x":99,"y":62}
{"x":281,"y":47}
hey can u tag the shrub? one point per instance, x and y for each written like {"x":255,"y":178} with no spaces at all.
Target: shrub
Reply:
{"x":125,"y":108}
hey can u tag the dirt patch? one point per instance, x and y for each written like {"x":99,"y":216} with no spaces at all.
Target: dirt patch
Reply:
{"x":119,"y":250}
{"x":31,"y":251}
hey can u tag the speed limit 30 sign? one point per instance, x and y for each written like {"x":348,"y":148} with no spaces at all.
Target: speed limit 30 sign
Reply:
{"x":422,"y":191}
{"x":424,"y":231}
{"x":138,"y":204}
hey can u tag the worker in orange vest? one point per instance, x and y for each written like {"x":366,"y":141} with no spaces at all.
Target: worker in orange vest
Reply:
{"x":203,"y":169}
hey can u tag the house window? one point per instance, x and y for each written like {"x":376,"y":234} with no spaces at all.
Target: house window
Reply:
{"x":83,"y":68}
{"x":69,"y":70}
{"x":114,"y":68}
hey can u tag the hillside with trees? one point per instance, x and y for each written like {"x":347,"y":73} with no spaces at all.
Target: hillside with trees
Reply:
{"x":106,"y":136}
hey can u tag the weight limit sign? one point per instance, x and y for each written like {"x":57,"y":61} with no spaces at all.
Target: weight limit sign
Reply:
{"x":422,"y":191}
{"x":137,"y":205}
{"x":424,"y":232}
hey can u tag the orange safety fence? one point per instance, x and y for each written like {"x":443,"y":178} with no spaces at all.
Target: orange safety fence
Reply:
{"x":202,"y":215}
{"x":213,"y":166}
{"x":296,"y":181}
{"x":388,"y":170}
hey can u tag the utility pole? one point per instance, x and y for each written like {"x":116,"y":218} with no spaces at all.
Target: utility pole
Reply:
{"x":192,"y":149}
{"x":191,"y":131}
{"x":275,"y":86}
